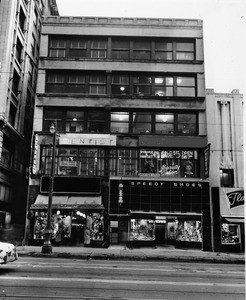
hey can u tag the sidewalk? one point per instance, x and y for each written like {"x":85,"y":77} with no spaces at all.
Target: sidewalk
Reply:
{"x":144,"y":254}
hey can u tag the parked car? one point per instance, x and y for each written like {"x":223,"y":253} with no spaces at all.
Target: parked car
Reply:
{"x":8,"y":253}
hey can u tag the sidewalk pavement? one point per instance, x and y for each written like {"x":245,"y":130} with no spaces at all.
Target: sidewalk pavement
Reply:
{"x":118,"y":252}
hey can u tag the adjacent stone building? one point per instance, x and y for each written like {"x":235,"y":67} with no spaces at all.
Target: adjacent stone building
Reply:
{"x":20,"y":31}
{"x":225,"y":122}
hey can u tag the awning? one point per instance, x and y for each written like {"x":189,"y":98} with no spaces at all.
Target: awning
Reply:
{"x":68,"y":202}
{"x":233,"y":220}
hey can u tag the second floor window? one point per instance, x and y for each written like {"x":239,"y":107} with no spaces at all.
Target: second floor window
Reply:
{"x":130,"y":122}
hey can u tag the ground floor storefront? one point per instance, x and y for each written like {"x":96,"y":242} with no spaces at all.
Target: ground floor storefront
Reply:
{"x":228,"y":219}
{"x":75,"y":221}
{"x":140,"y":230}
{"x":152,"y":212}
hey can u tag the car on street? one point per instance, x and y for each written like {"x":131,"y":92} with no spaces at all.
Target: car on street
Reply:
{"x":8,"y":253}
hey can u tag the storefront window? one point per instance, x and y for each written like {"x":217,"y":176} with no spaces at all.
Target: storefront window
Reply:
{"x":123,"y":162}
{"x":173,"y":163}
{"x":230,"y":233}
{"x":189,"y":231}
{"x":60,"y":225}
{"x":142,"y":230}
{"x":94,"y":228}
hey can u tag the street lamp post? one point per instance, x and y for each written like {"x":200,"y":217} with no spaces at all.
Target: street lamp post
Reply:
{"x":47,"y":247}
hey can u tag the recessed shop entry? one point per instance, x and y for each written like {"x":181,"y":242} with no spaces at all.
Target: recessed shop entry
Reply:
{"x":160,"y":229}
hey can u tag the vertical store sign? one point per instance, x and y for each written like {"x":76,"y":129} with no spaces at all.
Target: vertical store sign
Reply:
{"x":206,"y":161}
{"x":35,"y":149}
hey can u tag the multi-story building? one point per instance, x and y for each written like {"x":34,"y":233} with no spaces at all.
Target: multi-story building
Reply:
{"x":20,"y":30}
{"x":127,"y":96}
{"x":225,"y":136}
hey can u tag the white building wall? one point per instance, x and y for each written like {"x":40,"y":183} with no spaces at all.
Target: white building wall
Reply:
{"x":225,"y":134}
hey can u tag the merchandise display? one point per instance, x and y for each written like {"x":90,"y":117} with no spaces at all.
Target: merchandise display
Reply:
{"x":142,"y":230}
{"x":189,"y":231}
{"x":229,"y":233}
{"x":60,"y":225}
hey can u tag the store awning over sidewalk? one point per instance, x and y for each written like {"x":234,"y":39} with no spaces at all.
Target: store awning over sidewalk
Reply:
{"x":232,"y":220}
{"x":68,"y":202}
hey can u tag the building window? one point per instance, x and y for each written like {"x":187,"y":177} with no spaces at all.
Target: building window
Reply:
{"x":230,"y":233}
{"x":186,"y":86}
{"x":18,"y":51}
{"x":187,"y":124}
{"x":75,"y":121}
{"x":97,"y":84}
{"x":98,"y":49}
{"x":163,"y":86}
{"x":55,"y":82}
{"x":57,"y":48}
{"x":164,"y":123}
{"x":119,"y":122}
{"x":142,"y":122}
{"x":74,"y":161}
{"x":12,"y":114}
{"x":123,"y":162}
{"x":120,"y":85}
{"x":51,"y":116}
{"x":226,"y":177}
{"x":120,"y":49}
{"x":22,"y":20}
{"x":142,"y":50}
{"x":76,"y":83}
{"x":96,"y":121}
{"x":185,"y":51}
{"x":142,"y":85}
{"x":77,"y":48}
{"x":8,"y":150}
{"x":163,"y":50}
{"x":15,"y":83}
{"x":169,"y":163}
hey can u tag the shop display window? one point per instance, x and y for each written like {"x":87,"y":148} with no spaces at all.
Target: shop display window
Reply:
{"x":60,"y":225}
{"x":189,"y":231}
{"x":230,"y":233}
{"x":142,"y":230}
{"x":94,"y":228}
{"x":173,"y":163}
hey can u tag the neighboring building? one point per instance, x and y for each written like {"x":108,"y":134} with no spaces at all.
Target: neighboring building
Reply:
{"x":20,"y":30}
{"x":225,"y":136}
{"x":127,"y":96}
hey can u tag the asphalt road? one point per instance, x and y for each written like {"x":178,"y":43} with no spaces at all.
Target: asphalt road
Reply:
{"x":46,"y":278}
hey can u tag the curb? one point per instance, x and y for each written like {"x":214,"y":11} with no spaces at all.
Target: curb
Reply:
{"x":133,"y":257}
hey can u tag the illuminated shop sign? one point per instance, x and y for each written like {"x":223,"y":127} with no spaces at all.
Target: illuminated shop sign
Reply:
{"x":88,"y":139}
{"x":164,"y":183}
{"x":159,"y":196}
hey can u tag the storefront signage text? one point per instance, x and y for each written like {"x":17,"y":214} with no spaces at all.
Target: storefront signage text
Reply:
{"x":168,"y":154}
{"x":235,"y":198}
{"x":88,"y":140}
{"x":163,"y":183}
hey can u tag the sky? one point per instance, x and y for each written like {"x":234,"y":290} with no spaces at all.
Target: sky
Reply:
{"x":224,"y":29}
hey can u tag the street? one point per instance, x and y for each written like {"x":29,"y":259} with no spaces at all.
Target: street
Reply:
{"x":46,"y":278}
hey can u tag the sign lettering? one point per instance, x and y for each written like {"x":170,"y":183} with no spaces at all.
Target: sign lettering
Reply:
{"x":236,"y":198}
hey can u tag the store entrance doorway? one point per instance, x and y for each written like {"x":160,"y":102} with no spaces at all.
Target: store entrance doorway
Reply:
{"x":160,"y":233}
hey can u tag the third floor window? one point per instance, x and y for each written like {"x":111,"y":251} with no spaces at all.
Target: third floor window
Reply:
{"x":122,"y":48}
{"x":116,"y":84}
